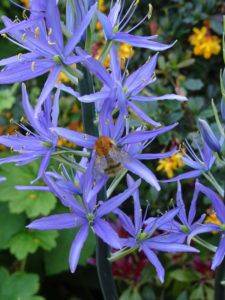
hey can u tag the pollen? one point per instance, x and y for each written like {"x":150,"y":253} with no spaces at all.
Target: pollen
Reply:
{"x":103,"y":145}
{"x":37,"y":32}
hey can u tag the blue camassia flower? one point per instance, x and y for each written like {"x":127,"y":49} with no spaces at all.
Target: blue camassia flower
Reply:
{"x":121,"y":91}
{"x":115,"y":22}
{"x":42,"y":37}
{"x":86,"y":213}
{"x":113,"y":151}
{"x":200,"y":164}
{"x":40,"y":141}
{"x":141,"y":236}
{"x":219,"y":208}
{"x":181,"y":229}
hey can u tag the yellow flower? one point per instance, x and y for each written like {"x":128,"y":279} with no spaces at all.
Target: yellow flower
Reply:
{"x":26,"y":3}
{"x":170,"y":164}
{"x":63,"y":78}
{"x":63,"y":142}
{"x":212,"y":219}
{"x":205,"y":44}
{"x":101,"y":5}
{"x":125,"y":51}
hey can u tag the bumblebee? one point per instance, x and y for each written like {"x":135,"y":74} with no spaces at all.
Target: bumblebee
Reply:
{"x":108,"y":157}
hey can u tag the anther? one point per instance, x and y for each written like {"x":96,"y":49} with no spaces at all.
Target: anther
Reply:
{"x":51,"y":43}
{"x":19,"y":56}
{"x":24,"y":37}
{"x":37,"y":32}
{"x":33,"y":65}
{"x":49,"y":31}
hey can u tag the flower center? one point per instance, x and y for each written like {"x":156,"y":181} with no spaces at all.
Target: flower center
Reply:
{"x":142,"y":236}
{"x":90,"y":218}
{"x":103,"y":145}
{"x":184,"y":228}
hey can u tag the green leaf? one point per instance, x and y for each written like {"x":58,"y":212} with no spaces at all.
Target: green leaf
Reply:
{"x":10,"y":225}
{"x":183,"y":296}
{"x":7,"y":99}
{"x":33,"y":203}
{"x":56,"y":261}
{"x":19,"y":285}
{"x":184,"y":275}
{"x":27,"y":242}
{"x":209,"y":293}
{"x":130,"y":295}
{"x":197,"y":294}
{"x":193,"y":84}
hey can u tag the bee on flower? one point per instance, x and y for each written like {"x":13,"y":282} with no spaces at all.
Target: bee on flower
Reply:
{"x":26,"y":3}
{"x":205,"y":44}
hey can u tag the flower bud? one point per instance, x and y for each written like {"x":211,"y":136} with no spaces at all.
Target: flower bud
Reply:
{"x":208,"y":136}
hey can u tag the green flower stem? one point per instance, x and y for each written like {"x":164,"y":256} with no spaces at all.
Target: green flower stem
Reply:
{"x":71,"y":164}
{"x":105,"y":276}
{"x":220,"y":277}
{"x":105,"y":51}
{"x":209,"y":176}
{"x":205,"y":244}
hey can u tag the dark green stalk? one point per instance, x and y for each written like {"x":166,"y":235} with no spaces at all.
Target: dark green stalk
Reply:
{"x":105,"y":276}
{"x":104,"y":266}
{"x":219,"y":277}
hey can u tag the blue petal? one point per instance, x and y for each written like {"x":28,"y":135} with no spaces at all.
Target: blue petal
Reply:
{"x":159,"y":98}
{"x":60,"y":221}
{"x":77,"y":246}
{"x":170,"y":247}
{"x":140,"y":136}
{"x":48,"y":87}
{"x":106,"y":24}
{"x":136,"y":167}
{"x":139,"y":79}
{"x":208,"y":136}
{"x":202,"y":229}
{"x":216,"y":200}
{"x":220,"y":253}
{"x":23,"y":71}
{"x":192,"y":211}
{"x":125,"y":221}
{"x":142,"y":42}
{"x":79,"y":31}
{"x":111,"y":204}
{"x":187,"y":175}
{"x":106,"y":233}
{"x":55,"y":109}
{"x":95,"y":67}
{"x":149,"y":156}
{"x":142,"y":115}
{"x":180,"y":204}
{"x":137,"y":206}
{"x":155,"y":262}
{"x":81,"y":139}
